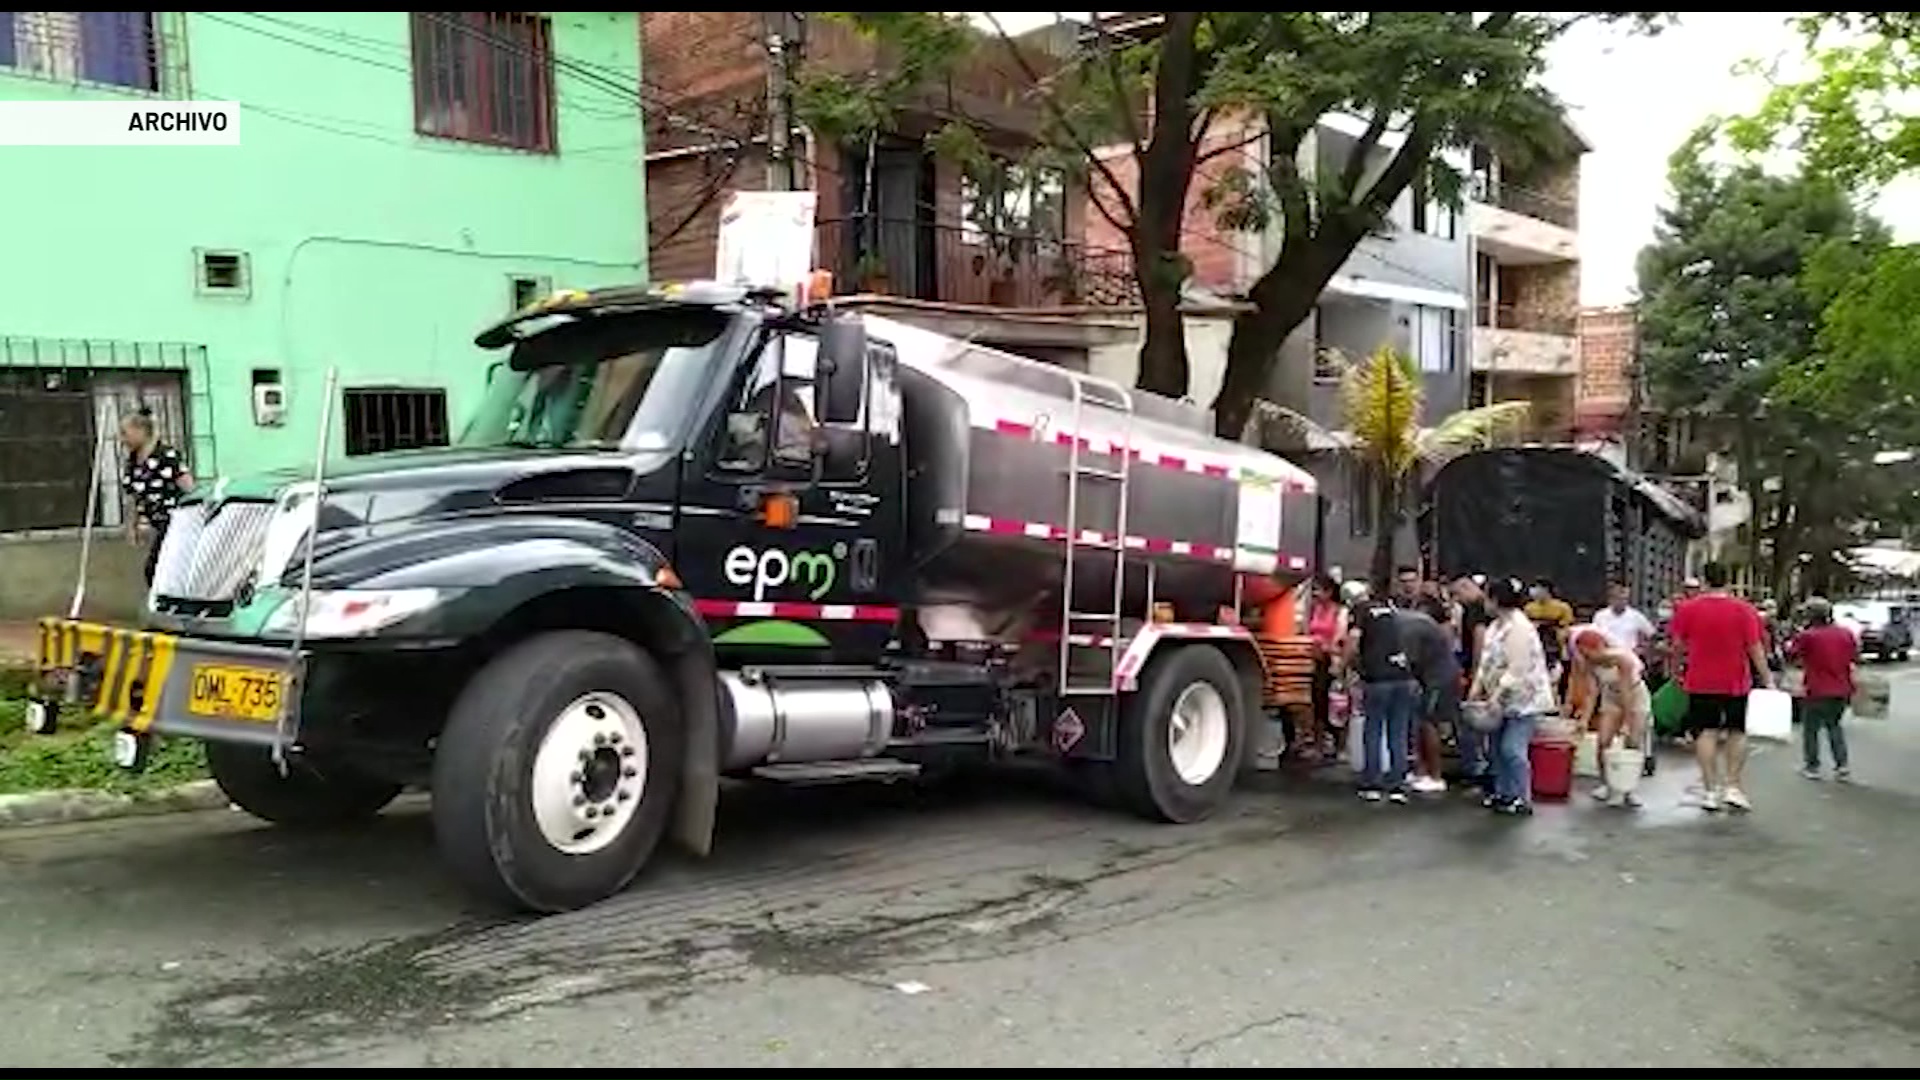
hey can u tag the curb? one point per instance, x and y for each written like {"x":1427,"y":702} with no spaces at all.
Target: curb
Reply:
{"x":79,"y":804}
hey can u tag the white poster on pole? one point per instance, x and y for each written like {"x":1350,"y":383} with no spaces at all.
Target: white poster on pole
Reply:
{"x":766,"y":239}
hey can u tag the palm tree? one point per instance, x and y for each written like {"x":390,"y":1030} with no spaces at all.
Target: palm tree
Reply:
{"x":1380,"y":401}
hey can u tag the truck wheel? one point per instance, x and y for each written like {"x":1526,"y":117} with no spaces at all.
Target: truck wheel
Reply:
{"x":307,"y":797}
{"x":557,"y":771}
{"x":1180,"y":736}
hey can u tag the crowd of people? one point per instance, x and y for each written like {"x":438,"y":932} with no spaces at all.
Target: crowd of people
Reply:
{"x":1481,"y":663}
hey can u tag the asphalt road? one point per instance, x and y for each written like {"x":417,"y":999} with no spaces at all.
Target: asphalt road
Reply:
{"x":1014,"y":927}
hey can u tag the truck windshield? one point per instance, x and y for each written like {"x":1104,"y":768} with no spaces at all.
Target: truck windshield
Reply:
{"x":629,"y":381}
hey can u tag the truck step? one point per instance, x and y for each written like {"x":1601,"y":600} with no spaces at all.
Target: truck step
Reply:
{"x":838,"y":772}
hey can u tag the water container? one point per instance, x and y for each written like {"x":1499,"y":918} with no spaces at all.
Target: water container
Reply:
{"x":1872,"y":695}
{"x":1769,"y":715}
{"x":1552,"y":764}
{"x":1586,"y":755}
{"x":1624,"y":767}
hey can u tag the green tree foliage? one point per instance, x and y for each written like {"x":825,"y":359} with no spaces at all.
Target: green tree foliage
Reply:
{"x":1869,"y":343}
{"x":1424,"y":81}
{"x":1739,"y":291}
{"x":1852,"y":119}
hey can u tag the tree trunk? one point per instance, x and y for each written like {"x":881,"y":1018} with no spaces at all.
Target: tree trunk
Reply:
{"x":1756,"y":488}
{"x":1283,"y":298}
{"x":1254,"y":348}
{"x":1164,"y":368}
{"x":1781,"y":538}
{"x":1166,"y":165}
{"x":1386,"y":529}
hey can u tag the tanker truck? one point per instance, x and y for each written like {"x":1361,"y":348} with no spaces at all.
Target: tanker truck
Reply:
{"x":696,"y":533}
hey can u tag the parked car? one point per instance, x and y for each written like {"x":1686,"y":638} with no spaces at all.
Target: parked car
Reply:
{"x":1884,"y":628}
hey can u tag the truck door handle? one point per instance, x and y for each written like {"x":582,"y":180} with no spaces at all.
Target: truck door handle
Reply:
{"x":866,"y":565}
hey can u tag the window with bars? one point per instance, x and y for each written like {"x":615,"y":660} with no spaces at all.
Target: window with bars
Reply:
{"x":112,"y":48}
{"x":484,"y":77}
{"x":380,"y":419}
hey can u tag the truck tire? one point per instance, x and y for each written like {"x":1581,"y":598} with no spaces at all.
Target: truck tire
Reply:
{"x":305,"y":798}
{"x":1180,"y":736}
{"x":557,"y":772}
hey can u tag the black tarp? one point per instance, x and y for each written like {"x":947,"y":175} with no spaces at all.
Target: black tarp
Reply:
{"x":1551,"y":512}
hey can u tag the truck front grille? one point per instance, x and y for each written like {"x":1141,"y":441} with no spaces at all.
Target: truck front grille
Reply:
{"x":207,"y":554}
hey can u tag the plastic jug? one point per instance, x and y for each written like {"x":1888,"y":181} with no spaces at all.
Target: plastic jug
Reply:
{"x":1769,"y":715}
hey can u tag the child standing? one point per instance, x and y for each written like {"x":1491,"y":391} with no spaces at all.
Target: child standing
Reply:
{"x":1826,"y":651}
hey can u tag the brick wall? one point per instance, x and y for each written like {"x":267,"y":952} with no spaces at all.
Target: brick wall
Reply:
{"x":1607,"y":337}
{"x":1220,"y":257}
{"x":706,"y":76}
{"x":710,"y":67}
{"x":1557,"y":182}
{"x":1541,"y":297}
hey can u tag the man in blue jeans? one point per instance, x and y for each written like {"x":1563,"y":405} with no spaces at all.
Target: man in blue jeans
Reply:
{"x":1377,"y":651}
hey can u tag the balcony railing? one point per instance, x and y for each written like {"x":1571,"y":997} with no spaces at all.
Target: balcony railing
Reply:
{"x":1527,"y":202}
{"x":923,"y":260}
{"x":1531,"y":320}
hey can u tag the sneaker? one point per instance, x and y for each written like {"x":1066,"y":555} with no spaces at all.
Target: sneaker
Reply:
{"x":1490,"y":801}
{"x":1429,"y":785}
{"x":1737,"y":799}
{"x":1397,"y":795}
{"x":1630,"y":801}
{"x":1603,"y":793}
{"x":1369,"y":795}
{"x":1710,"y":801}
{"x":1812,"y":772}
{"x":1515,"y":808}
{"x":1845,"y":776}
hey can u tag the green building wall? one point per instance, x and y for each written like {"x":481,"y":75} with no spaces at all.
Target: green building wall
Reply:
{"x":366,"y":246}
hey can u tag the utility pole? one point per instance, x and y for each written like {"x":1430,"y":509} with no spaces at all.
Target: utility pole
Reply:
{"x":785,"y":40}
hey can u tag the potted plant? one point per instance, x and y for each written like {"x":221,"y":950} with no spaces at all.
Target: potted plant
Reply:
{"x":871,"y":270}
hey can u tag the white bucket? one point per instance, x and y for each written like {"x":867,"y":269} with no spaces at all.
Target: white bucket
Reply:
{"x":1623,"y":768}
{"x":1357,"y":744}
{"x":1586,"y":755}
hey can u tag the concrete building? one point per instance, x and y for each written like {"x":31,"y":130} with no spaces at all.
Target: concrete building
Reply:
{"x":1407,"y":287}
{"x":893,"y":216}
{"x":403,"y":178}
{"x":1525,"y":225}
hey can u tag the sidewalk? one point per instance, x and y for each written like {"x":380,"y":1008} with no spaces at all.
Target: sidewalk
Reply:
{"x":19,"y":641}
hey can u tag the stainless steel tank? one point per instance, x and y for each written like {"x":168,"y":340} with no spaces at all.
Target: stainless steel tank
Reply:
{"x":994,"y":487}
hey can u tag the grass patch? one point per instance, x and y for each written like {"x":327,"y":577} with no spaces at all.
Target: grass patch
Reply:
{"x":78,"y":757}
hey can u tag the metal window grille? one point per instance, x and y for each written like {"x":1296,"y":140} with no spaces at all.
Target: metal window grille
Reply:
{"x":61,"y":400}
{"x":484,"y":77}
{"x":383,"y":419}
{"x":108,"y":48}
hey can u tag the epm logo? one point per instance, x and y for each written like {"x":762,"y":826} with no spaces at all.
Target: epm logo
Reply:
{"x":773,"y":569}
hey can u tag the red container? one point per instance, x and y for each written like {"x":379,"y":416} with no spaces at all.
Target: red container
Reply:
{"x":1552,"y":764}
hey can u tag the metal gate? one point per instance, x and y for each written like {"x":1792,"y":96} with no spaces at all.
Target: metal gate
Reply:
{"x":60,"y":398}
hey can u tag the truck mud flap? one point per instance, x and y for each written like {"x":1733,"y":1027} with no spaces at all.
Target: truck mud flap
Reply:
{"x":151,"y":682}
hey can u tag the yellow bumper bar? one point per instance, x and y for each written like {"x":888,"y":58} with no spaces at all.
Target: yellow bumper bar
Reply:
{"x":146,"y":680}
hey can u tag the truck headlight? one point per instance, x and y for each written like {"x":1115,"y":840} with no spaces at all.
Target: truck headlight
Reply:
{"x":346,"y":613}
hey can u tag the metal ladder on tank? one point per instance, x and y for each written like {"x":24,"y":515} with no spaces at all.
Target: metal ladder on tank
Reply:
{"x":1109,"y":623}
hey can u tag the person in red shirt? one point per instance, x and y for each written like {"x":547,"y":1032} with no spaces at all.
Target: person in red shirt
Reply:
{"x":1720,"y":643}
{"x":1827,"y":653}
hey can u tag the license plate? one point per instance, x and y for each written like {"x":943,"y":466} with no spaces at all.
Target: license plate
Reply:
{"x":236,"y":693}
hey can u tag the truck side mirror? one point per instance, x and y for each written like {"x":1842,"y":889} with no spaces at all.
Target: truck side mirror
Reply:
{"x":494,"y":369}
{"x":840,"y":387}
